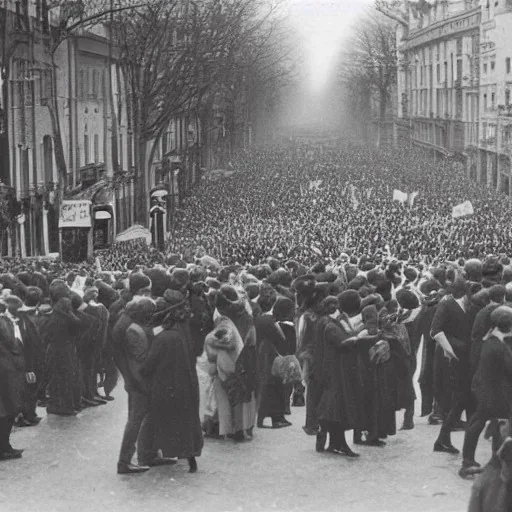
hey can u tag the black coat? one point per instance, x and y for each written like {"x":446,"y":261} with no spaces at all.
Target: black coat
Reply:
{"x":269,"y":343}
{"x":12,"y":371}
{"x":174,"y":396}
{"x":492,"y":383}
{"x":339,"y":375}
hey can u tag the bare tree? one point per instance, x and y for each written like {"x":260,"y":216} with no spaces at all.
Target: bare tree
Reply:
{"x":370,"y":65}
{"x":62,"y":19}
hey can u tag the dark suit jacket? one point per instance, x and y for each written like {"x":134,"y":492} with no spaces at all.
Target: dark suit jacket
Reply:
{"x":12,"y":370}
{"x":480,"y":329}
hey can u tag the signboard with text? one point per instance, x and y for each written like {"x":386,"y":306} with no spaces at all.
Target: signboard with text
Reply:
{"x":75,"y":214}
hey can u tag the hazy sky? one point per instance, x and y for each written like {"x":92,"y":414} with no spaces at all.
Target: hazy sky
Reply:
{"x":323,"y":25}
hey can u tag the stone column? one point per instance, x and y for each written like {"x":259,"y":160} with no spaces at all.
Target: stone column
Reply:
{"x":46,"y":242}
{"x":23,"y":246}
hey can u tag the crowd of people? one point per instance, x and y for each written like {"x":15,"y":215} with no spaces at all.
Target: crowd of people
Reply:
{"x":275,"y":294}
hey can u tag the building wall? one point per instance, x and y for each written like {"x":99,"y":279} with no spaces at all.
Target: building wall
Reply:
{"x":85,"y":117}
{"x":495,"y":143}
{"x":438,"y":77}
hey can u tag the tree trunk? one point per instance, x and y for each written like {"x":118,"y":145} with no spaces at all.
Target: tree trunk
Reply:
{"x":60,"y":159}
{"x":140,"y":183}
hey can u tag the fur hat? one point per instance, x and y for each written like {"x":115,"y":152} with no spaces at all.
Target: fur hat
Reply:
{"x":411,"y":274}
{"x":329,"y":305}
{"x":318,"y":268}
{"x":138,"y":282}
{"x":284,"y":309}
{"x":351,"y":272}
{"x":429,"y":286}
{"x":473,"y":269}
{"x":497,"y":293}
{"x":267,"y":296}
{"x":501,"y":318}
{"x":173,"y":298}
{"x":211,"y":282}
{"x":252,"y":290}
{"x":273,"y":263}
{"x":226,"y":296}
{"x":33,"y":296}
{"x":349,"y":302}
{"x":59,"y":290}
{"x":357,"y":283}
{"x":160,"y":281}
{"x":141,"y":311}
{"x":179,"y":279}
{"x":407,"y":299}
{"x":280,"y":277}
{"x":370,"y":319}
{"x":106,"y":294}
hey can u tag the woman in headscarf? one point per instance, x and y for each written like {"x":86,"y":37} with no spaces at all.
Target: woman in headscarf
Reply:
{"x":59,"y":330}
{"x":222,"y":347}
{"x":174,"y":388}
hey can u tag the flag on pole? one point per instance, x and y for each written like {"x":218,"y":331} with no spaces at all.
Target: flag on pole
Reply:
{"x":399,"y":196}
{"x":411,"y":197}
{"x":463,"y":209}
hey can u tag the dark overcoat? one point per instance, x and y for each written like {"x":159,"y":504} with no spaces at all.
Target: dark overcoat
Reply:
{"x":338,"y":372}
{"x":492,"y":382}
{"x":270,"y":343}
{"x":12,"y":371}
{"x":174,"y":395}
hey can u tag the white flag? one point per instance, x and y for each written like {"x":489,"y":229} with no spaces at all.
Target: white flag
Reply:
{"x":463,"y":209}
{"x":399,"y":196}
{"x":412,"y":197}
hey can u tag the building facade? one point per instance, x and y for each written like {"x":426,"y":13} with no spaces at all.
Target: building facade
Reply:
{"x":438,"y":79}
{"x":495,"y":141}
{"x":454,"y":84}
{"x":75,"y":98}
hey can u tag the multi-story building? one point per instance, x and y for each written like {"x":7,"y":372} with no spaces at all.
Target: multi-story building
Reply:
{"x":438,"y":78}
{"x":495,"y":141}
{"x":76,"y":101}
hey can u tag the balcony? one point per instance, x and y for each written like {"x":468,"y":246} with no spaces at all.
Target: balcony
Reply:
{"x":505,"y":110}
{"x":464,"y":135}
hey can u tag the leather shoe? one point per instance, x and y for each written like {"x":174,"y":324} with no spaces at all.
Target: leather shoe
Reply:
{"x":281,"y":424}
{"x":161,"y":461}
{"x":130,"y":469}
{"x":347,"y":452}
{"x":374,"y":442}
{"x":321,"y":439}
{"x":310,"y":431}
{"x":192,"y":465}
{"x":89,"y":403}
{"x":407,"y":426}
{"x":445,"y":447}
{"x":11,"y":454}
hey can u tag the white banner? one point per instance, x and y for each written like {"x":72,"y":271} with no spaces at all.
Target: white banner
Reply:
{"x":399,"y":196}
{"x":75,"y":214}
{"x":463,"y":209}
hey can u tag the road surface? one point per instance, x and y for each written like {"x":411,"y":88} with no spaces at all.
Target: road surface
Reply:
{"x":69,"y":465}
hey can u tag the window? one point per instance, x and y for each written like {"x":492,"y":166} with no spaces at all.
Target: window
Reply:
{"x":459,"y":69}
{"x":493,"y":98}
{"x":121,"y":152}
{"x":95,"y":84}
{"x":507,"y":96}
{"x":493,"y":65}
{"x":459,"y":46}
{"x":438,"y":72}
{"x":485,"y":69}
{"x":507,"y":65}
{"x":81,"y":85}
{"x":485,"y":101}
{"x":96,"y":148}
{"x":86,"y":149}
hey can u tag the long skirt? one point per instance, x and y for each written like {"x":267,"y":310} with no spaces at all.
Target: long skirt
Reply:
{"x":64,"y":384}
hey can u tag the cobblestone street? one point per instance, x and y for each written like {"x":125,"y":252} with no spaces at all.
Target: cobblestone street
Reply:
{"x":70,"y":465}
